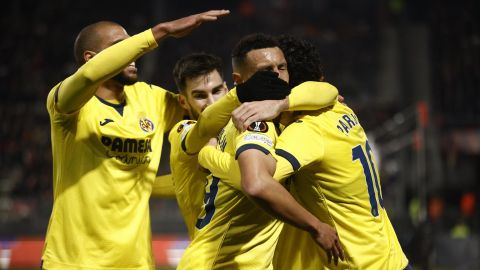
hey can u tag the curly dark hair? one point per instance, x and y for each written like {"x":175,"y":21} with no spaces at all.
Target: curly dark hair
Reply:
{"x":249,"y":43}
{"x":303,"y":60}
{"x":194,"y":65}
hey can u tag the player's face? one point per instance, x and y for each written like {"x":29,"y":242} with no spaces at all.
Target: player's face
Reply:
{"x":111,"y":36}
{"x":202,"y":91}
{"x":271,"y":59}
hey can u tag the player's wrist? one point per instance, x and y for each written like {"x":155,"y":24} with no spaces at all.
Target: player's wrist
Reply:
{"x":160,"y":31}
{"x":284,"y":104}
{"x":315,"y":228}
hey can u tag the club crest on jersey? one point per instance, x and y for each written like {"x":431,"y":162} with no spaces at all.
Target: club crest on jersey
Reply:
{"x":146,"y":124}
{"x":260,"y":126}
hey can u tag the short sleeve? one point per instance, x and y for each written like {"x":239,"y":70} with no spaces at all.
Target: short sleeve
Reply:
{"x":259,"y":135}
{"x":55,"y":114}
{"x":170,"y":108}
{"x":299,"y":145}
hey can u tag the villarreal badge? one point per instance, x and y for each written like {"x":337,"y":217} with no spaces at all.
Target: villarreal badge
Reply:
{"x":146,"y":124}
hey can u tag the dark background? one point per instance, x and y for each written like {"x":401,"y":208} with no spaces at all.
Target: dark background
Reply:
{"x":410,"y":69}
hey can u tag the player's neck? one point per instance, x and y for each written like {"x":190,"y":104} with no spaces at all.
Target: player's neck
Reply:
{"x":111,"y":91}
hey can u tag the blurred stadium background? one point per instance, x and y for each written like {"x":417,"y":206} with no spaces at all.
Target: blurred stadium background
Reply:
{"x":410,"y":69}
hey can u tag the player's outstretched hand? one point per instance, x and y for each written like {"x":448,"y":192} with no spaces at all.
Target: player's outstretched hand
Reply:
{"x":181,"y":27}
{"x":327,"y":238}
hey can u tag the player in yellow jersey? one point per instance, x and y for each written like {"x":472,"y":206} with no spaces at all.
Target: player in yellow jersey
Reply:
{"x":335,"y":179}
{"x":232,"y":233}
{"x":107,"y":132}
{"x":199,"y":79}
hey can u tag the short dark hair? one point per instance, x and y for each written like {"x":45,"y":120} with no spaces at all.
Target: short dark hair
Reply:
{"x":89,"y":38}
{"x":303,"y":60}
{"x":194,"y":65}
{"x":249,"y":43}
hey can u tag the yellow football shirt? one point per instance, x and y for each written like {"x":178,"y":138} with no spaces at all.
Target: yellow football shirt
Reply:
{"x":105,"y":159}
{"x":187,"y":176}
{"x":231,"y":231}
{"x":336,"y":179}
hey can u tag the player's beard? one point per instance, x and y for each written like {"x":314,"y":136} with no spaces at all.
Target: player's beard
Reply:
{"x":191,"y":112}
{"x":125,"y":78}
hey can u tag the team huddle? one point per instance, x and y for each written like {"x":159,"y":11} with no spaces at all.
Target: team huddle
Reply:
{"x":276,"y":173}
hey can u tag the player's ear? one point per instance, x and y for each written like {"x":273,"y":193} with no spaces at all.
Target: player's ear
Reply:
{"x":182,"y":100}
{"x":237,"y":78}
{"x":87,"y":55}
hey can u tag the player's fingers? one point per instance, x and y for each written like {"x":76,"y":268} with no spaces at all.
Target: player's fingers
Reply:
{"x":329,"y":256}
{"x":340,"y":250}
{"x":255,"y":114}
{"x":239,"y":122}
{"x":220,"y":12}
{"x":242,"y":109}
{"x":238,"y":125}
{"x":213,"y":14}
{"x":246,"y":116}
{"x":206,"y":18}
{"x":238,"y":118}
{"x":335,"y":254}
{"x":248,"y":122}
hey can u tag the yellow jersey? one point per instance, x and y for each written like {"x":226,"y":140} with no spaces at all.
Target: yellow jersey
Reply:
{"x":231,"y":231}
{"x":336,"y":179}
{"x":187,"y":176}
{"x":105,"y":159}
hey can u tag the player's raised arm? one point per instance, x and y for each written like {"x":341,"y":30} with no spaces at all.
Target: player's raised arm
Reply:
{"x":104,"y":49}
{"x":98,"y":64}
{"x":181,"y":27}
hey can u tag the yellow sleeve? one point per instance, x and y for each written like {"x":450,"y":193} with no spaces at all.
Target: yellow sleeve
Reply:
{"x":312,"y":96}
{"x":163,"y":187}
{"x":259,"y":135}
{"x":221,"y":164}
{"x":77,"y":89}
{"x":283,"y":169}
{"x":225,"y":166}
{"x":298,"y":146}
{"x":210,"y":122}
{"x":170,"y":109}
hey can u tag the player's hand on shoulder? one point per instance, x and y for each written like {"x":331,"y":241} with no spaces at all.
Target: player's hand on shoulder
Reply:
{"x":327,"y":238}
{"x":263,"y":97}
{"x":250,"y":112}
